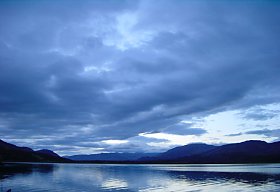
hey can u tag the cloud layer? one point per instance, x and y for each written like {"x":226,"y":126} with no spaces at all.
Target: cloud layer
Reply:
{"x":91,"y":71}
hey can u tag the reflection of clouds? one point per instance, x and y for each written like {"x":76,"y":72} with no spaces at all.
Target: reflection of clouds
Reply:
{"x":212,"y":178}
{"x":114,"y":184}
{"x":73,"y":173}
{"x":226,"y":168}
{"x":206,"y":183}
{"x":149,"y":178}
{"x":172,"y":184}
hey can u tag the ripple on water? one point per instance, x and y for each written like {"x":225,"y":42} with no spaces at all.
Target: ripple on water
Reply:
{"x":116,"y":184}
{"x":146,"y":178}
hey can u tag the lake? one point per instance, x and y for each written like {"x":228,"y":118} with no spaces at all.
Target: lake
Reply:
{"x":143,"y":178}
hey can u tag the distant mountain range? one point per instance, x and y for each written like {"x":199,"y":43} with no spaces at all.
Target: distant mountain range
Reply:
{"x":111,"y":156}
{"x":245,"y":152}
{"x":13,"y":153}
{"x":180,"y":152}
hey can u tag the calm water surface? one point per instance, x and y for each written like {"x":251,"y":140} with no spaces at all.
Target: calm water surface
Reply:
{"x":143,"y":178}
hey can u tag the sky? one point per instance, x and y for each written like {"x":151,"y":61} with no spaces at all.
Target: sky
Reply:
{"x":83,"y":77}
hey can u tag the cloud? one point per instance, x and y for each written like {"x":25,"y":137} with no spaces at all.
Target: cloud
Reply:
{"x":259,"y":114}
{"x":234,"y":134}
{"x":183,"y":129}
{"x":94,"y":71}
{"x":266,"y":132}
{"x":271,"y":133}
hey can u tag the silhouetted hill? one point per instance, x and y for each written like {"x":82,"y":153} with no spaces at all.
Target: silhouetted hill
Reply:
{"x":110,"y":156}
{"x":13,"y":153}
{"x":245,"y":152}
{"x":182,"y":151}
{"x":47,"y":152}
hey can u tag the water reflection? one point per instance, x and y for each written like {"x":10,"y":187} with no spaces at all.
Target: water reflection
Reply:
{"x":114,"y":184}
{"x":11,"y":169}
{"x":144,"y":178}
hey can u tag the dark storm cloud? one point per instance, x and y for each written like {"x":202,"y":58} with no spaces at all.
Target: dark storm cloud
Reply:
{"x":94,"y":70}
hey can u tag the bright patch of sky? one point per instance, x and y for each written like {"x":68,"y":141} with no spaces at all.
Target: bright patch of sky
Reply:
{"x":226,"y":127}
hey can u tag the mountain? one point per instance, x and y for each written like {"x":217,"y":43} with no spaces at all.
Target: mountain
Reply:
{"x":47,"y":152}
{"x":13,"y":153}
{"x":245,"y":152}
{"x":182,"y":151}
{"x":110,"y":156}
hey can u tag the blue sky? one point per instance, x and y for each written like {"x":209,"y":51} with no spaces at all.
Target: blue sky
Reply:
{"x":138,"y":76}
